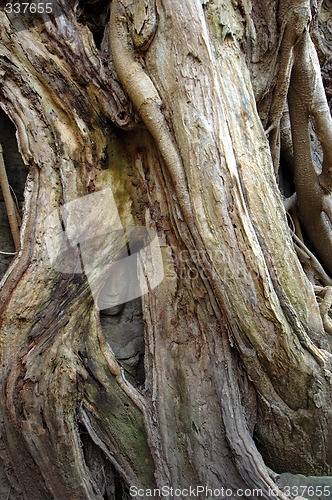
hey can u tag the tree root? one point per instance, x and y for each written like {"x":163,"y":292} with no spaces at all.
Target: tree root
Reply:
{"x":147,"y":101}
{"x":299,"y":80}
{"x":293,"y":23}
{"x":312,"y":267}
{"x":314,"y":201}
{"x":308,"y":259}
{"x":290,"y":203}
{"x":324,"y":299}
{"x":10,"y":205}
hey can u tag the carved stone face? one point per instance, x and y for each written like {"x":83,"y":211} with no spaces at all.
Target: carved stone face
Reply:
{"x":119,"y":285}
{"x":121,"y":318}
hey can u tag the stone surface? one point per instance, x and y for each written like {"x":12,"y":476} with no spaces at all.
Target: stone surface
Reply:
{"x":311,"y":487}
{"x":123,"y":330}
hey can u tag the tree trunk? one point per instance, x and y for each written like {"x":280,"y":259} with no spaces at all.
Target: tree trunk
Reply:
{"x":149,"y":120}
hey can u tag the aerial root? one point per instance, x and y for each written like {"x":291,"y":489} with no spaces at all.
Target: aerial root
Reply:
{"x":309,"y":260}
{"x":12,"y":210}
{"x":324,"y":299}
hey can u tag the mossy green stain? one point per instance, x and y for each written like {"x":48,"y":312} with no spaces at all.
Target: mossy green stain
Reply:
{"x":181,"y":409}
{"x":124,"y":425}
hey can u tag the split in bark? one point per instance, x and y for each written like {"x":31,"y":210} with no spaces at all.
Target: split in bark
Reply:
{"x":12,"y":211}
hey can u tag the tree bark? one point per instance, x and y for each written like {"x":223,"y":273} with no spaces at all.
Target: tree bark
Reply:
{"x":237,"y":364}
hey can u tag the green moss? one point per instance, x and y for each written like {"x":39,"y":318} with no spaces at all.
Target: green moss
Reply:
{"x":182,"y":414}
{"x":124,"y":425}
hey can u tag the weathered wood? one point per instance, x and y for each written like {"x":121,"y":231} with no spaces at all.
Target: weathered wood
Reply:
{"x":10,"y":205}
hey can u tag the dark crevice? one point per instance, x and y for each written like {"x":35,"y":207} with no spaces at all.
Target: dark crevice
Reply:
{"x":285,"y":178}
{"x":107,"y":480}
{"x":17,"y":174}
{"x":94,"y":14}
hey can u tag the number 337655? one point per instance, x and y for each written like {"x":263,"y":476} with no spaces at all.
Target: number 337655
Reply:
{"x":25,"y":8}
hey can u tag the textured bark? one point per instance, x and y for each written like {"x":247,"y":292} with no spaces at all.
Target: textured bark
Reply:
{"x":161,"y":108}
{"x":297,"y":92}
